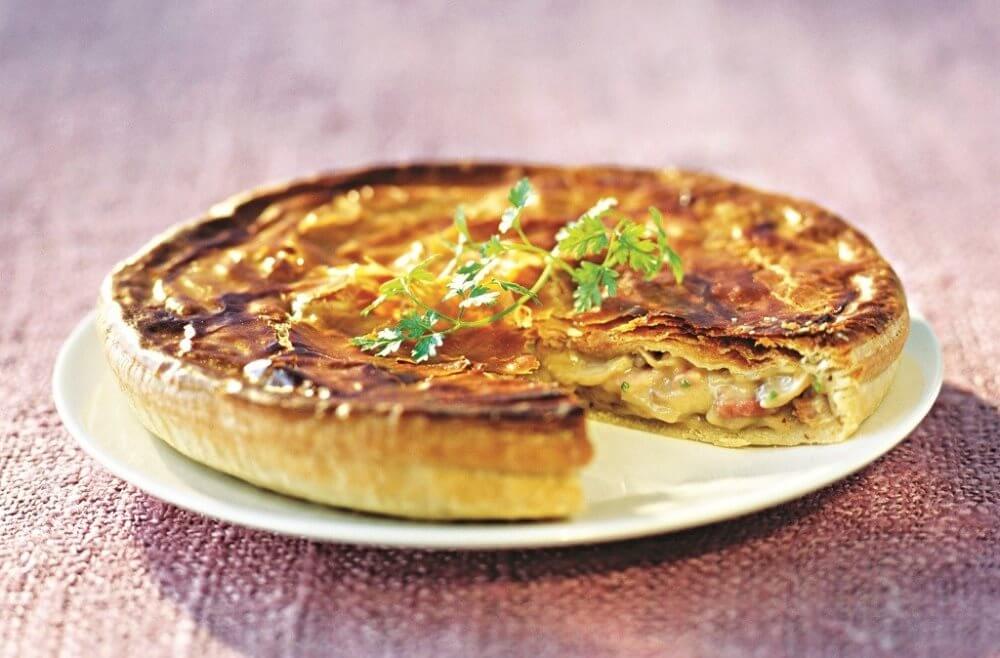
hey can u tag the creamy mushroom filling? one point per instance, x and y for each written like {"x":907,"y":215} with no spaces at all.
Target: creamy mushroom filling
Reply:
{"x":671,"y":389}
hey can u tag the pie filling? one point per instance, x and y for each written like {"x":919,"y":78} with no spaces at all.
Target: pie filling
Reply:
{"x":673,"y":390}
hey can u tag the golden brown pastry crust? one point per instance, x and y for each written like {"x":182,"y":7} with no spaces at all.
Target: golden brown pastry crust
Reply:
{"x":409,"y":465}
{"x":475,"y":434}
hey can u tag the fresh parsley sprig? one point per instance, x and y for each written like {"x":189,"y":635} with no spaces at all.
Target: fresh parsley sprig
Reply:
{"x":469,"y":275}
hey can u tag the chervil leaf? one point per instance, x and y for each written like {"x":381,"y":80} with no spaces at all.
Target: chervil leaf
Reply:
{"x":391,"y":288}
{"x":630,"y":247}
{"x":517,"y":289}
{"x":471,"y":267}
{"x":389,"y":333}
{"x":587,"y":235}
{"x":413,"y":325}
{"x":521,"y":194}
{"x":426,"y":347}
{"x":593,"y":283}
{"x":657,"y":216}
{"x":459,"y":284}
{"x":602,"y":207}
{"x":469,"y":275}
{"x":464,"y":279}
{"x":389,"y":348}
{"x":480,"y":296}
{"x":507,"y":219}
{"x":487,"y":265}
{"x":366,"y":343}
{"x":492,"y":247}
{"x":384,"y":343}
{"x":461,"y":224}
{"x":419,"y":272}
{"x":676,"y":266}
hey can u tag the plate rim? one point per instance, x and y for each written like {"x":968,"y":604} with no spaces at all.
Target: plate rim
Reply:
{"x":472,"y":536}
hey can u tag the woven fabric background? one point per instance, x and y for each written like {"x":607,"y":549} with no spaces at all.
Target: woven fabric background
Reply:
{"x":118,"y":119}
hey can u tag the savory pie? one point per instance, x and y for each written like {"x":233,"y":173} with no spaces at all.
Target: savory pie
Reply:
{"x":232,"y":336}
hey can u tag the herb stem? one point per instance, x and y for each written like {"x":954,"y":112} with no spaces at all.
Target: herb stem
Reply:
{"x":518,"y":303}
{"x":547,"y":255}
{"x":520,"y":231}
{"x":405,"y":281}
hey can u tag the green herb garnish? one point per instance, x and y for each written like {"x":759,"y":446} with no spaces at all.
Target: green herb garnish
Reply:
{"x":468,"y":277}
{"x":625,"y":386}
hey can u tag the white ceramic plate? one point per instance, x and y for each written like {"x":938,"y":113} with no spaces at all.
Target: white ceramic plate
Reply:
{"x":639,"y":484}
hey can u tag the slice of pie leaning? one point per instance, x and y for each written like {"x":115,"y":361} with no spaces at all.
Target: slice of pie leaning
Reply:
{"x":231,"y":336}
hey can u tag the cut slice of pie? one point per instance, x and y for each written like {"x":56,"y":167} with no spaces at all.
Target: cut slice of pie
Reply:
{"x":232,"y":334}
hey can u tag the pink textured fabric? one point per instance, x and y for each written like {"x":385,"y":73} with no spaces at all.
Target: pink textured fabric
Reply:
{"x":119,"y":119}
